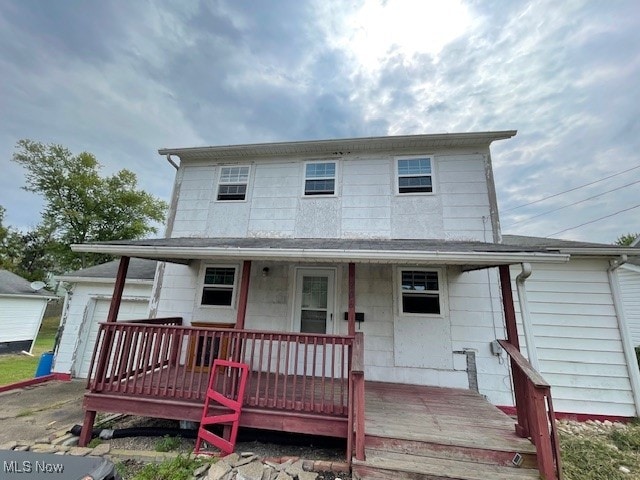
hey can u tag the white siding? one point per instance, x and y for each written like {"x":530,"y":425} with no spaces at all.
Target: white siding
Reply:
{"x":80,"y":314}
{"x":20,"y":318}
{"x":629,"y":279}
{"x":577,"y":337}
{"x":365,"y":204}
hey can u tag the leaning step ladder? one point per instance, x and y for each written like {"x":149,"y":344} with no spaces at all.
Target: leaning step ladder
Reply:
{"x":231,"y":378}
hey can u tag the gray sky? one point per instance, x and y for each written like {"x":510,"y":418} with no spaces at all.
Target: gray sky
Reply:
{"x":121,"y":79}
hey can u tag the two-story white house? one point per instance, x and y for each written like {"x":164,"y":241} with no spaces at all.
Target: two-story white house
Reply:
{"x":298,"y":257}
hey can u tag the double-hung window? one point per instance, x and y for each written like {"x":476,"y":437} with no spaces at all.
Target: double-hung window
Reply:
{"x":218,"y":286}
{"x":415,"y":175}
{"x":420,"y":292}
{"x":232,"y":184}
{"x":320,"y":178}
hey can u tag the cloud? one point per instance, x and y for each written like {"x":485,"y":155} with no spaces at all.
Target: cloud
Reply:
{"x":123,"y":79}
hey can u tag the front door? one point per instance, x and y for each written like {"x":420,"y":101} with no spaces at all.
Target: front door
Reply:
{"x":315,"y":303}
{"x":314,"y":312}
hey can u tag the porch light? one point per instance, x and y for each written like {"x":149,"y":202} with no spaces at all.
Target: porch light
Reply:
{"x":265,"y":272}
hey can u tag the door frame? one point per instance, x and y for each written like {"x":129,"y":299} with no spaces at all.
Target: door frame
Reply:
{"x":332,"y":273}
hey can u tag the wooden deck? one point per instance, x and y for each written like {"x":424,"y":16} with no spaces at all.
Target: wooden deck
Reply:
{"x":179,"y":394}
{"x":429,"y":432}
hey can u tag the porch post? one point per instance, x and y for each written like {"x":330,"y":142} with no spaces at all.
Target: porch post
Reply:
{"x":116,"y":299}
{"x":507,"y":304}
{"x":244,"y":294}
{"x":519,"y":385}
{"x":351,"y":315}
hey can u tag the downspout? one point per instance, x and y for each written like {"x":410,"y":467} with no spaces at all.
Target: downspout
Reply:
{"x":171,"y":216}
{"x":625,"y":337}
{"x":527,"y":326}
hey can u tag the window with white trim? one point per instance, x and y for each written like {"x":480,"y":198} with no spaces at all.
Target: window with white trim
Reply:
{"x":414,"y":175}
{"x":232,"y":184}
{"x":218,"y":286}
{"x":420,"y":292}
{"x":320,"y":178}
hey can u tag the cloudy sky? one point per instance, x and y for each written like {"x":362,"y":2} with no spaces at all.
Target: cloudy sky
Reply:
{"x":121,"y":79}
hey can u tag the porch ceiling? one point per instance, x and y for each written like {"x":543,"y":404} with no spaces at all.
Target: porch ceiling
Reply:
{"x":427,"y":252}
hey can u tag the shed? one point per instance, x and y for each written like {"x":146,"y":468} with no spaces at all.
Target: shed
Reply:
{"x":21,"y":311}
{"x":87,"y":304}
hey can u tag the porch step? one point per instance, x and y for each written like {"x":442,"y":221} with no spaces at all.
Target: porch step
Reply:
{"x":466,"y":453}
{"x":382,"y":465}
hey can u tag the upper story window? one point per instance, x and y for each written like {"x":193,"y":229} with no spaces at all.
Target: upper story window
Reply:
{"x":218,"y":286}
{"x":232,"y":184}
{"x":415,"y":175}
{"x":320,"y":178}
{"x":420,"y":292}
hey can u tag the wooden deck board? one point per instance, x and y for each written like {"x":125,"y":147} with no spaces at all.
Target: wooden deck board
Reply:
{"x":439,"y":415}
{"x":423,"y":467}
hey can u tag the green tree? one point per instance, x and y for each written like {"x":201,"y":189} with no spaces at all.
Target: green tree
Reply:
{"x":81,"y":206}
{"x":626,"y":239}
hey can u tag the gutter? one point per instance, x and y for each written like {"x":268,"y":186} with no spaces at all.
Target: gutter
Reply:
{"x":373,"y":256}
{"x":625,"y":336}
{"x":527,"y":325}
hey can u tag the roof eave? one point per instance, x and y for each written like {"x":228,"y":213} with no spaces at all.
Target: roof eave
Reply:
{"x":76,"y":279}
{"x":321,"y":147}
{"x":600,"y":251}
{"x":27,"y":295}
{"x":325,"y":255}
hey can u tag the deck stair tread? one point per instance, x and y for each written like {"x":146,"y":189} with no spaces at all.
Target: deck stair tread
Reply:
{"x":379,"y":446}
{"x":429,"y":433}
{"x":399,"y":465}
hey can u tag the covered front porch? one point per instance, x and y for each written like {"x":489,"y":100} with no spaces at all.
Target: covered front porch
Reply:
{"x":299,"y":382}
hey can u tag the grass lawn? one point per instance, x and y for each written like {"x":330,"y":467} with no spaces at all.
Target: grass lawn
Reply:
{"x":17,"y":367}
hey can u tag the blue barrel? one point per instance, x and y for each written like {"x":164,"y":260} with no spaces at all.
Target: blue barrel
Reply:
{"x":44,"y":365}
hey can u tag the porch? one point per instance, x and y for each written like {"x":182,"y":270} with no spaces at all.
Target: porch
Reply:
{"x":299,"y":382}
{"x":157,"y":367}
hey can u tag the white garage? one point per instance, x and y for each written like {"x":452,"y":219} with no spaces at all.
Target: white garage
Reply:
{"x":87,"y":304}
{"x":22,"y":306}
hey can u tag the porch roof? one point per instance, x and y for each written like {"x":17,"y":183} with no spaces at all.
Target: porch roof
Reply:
{"x":415,"y":251}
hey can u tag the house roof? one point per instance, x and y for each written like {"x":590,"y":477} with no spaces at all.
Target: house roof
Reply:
{"x":139,"y":269}
{"x":427,"y":251}
{"x":12,"y":284}
{"x":340,"y":147}
{"x":570,"y":246}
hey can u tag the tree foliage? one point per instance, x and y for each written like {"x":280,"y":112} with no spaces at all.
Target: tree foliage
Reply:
{"x":80,"y":205}
{"x":626,"y":239}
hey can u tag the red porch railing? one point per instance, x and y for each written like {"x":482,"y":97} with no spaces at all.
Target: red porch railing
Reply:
{"x":160,"y":358}
{"x":536,"y":418}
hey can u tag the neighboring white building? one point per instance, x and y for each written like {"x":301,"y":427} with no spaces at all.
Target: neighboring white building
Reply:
{"x":21,"y":312}
{"x":582,"y":333}
{"x":416,"y":219}
{"x":629,"y":275}
{"x":87,"y":304}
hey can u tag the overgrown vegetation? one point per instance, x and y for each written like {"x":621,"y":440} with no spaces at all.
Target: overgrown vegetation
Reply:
{"x":179,"y":468}
{"x":17,"y":367}
{"x":601,"y":456}
{"x":167,"y":444}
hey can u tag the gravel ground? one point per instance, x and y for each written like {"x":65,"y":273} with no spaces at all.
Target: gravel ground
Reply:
{"x":263,"y":444}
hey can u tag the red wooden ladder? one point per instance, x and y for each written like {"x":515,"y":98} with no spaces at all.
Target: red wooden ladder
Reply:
{"x":231,"y":378}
